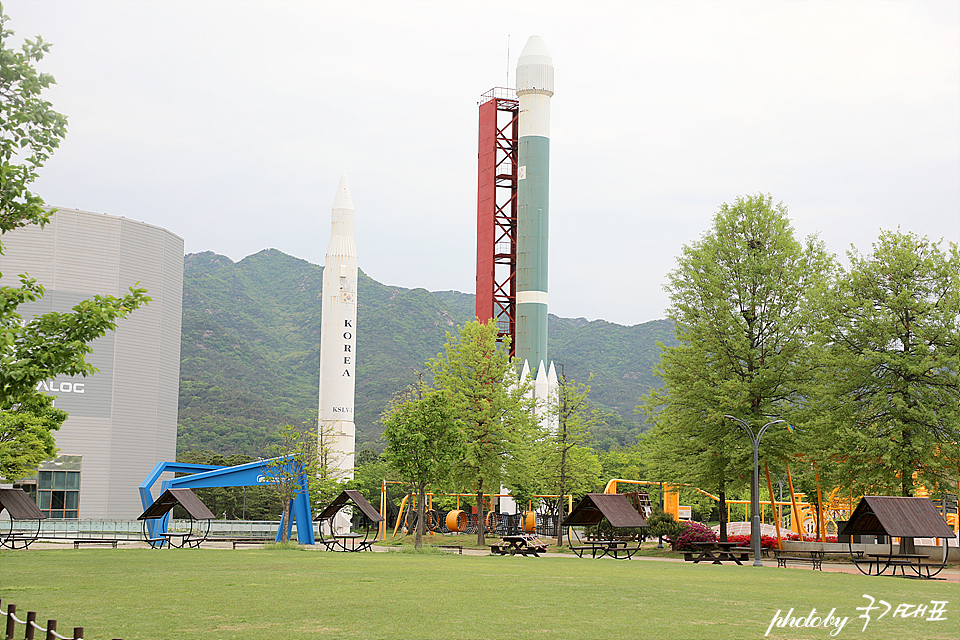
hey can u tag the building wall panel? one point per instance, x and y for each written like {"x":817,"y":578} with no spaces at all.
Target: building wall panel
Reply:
{"x":125,"y":420}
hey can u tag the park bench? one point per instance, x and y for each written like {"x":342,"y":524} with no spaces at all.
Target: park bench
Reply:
{"x":616,"y":549}
{"x":458,"y":548}
{"x":235,"y":540}
{"x":79,"y":541}
{"x":815,"y":558}
{"x":524,"y":544}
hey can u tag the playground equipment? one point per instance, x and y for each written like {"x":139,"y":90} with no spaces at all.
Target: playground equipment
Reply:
{"x":245,"y":475}
{"x":460,"y":521}
{"x":20,"y":525}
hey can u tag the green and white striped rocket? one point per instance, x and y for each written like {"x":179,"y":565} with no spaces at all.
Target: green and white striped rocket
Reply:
{"x":534,"y":90}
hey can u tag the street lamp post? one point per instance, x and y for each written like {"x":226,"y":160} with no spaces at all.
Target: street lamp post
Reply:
{"x":755,"y":488}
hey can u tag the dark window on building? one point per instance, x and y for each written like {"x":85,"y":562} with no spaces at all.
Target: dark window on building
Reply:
{"x":58,"y":493}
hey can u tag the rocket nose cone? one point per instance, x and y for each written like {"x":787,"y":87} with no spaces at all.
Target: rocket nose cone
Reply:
{"x":343,"y":199}
{"x":535,"y":52}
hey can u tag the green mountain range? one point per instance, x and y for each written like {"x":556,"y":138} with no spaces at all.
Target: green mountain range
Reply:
{"x":249,"y":359}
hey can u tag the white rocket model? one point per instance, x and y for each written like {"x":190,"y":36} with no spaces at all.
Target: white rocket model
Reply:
{"x":338,"y":340}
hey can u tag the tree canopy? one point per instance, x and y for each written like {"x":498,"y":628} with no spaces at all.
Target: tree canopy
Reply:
{"x":26,"y":437}
{"x":495,"y":415}
{"x":424,"y":442}
{"x":885,"y":414}
{"x":741,"y":306}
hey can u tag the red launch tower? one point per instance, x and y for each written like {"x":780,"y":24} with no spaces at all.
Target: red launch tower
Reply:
{"x":497,"y":211}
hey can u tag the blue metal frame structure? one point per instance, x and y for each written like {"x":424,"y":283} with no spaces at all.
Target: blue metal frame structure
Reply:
{"x":251,"y":474}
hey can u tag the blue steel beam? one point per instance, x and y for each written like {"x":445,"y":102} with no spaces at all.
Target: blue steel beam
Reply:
{"x":245,"y":475}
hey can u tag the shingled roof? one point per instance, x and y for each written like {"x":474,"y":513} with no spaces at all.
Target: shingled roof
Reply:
{"x":902,"y":517}
{"x":19,"y":505}
{"x":350,"y":495}
{"x":173,"y":497}
{"x":594,"y":507}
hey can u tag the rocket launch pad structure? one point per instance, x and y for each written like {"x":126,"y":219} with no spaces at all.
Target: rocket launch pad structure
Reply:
{"x":497,"y":212}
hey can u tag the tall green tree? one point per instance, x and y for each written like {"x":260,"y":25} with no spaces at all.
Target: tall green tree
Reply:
{"x":740,"y":305}
{"x":887,"y":405}
{"x":52,"y":343}
{"x":293,"y":459}
{"x":30,"y":130}
{"x":479,"y":378}
{"x":424,"y":442}
{"x":568,"y":464}
{"x":26,"y":436}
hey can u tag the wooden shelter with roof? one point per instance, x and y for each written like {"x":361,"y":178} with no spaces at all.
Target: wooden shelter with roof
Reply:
{"x":900,"y":517}
{"x":22,"y":526}
{"x":348,"y":541}
{"x":199,"y":514}
{"x":618,"y":511}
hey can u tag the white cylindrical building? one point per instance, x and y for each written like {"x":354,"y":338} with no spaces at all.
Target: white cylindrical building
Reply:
{"x":123,"y":419}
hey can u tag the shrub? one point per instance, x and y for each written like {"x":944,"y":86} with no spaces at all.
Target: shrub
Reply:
{"x":692,"y":532}
{"x":662,"y":524}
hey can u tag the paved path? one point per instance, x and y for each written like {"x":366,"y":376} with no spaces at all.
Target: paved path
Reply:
{"x":950,"y":575}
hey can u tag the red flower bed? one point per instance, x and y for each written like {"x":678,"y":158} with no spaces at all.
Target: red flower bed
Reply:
{"x":767,"y":542}
{"x":810,"y":538}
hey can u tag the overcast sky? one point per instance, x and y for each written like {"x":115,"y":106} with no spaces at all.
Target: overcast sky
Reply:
{"x":229,"y":123}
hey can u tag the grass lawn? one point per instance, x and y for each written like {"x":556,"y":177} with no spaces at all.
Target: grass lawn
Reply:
{"x":288,"y":594}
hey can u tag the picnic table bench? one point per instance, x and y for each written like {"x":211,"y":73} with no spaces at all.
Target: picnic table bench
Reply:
{"x":524,"y":544}
{"x":717,"y":553}
{"x":916,"y":562}
{"x":450,"y":547}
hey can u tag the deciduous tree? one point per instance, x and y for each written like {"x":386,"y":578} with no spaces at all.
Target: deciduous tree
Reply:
{"x":26,"y":437}
{"x":740,"y":305}
{"x":479,"y":377}
{"x":292,"y":464}
{"x":569,"y":465}
{"x":887,"y":405}
{"x":424,"y":442}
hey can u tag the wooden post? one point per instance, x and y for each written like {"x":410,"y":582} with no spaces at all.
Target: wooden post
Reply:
{"x":78,"y":633}
{"x":51,"y":630}
{"x":11,"y":609}
{"x":31,"y":630}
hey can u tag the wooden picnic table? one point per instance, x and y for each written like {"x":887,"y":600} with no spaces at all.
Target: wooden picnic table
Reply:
{"x":352,"y":542}
{"x":616,"y":549}
{"x":524,"y":544}
{"x":718,"y":552}
{"x":186,"y":539}
{"x":913,"y":561}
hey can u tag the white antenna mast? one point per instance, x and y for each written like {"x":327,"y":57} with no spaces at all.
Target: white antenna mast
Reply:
{"x":508,"y":60}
